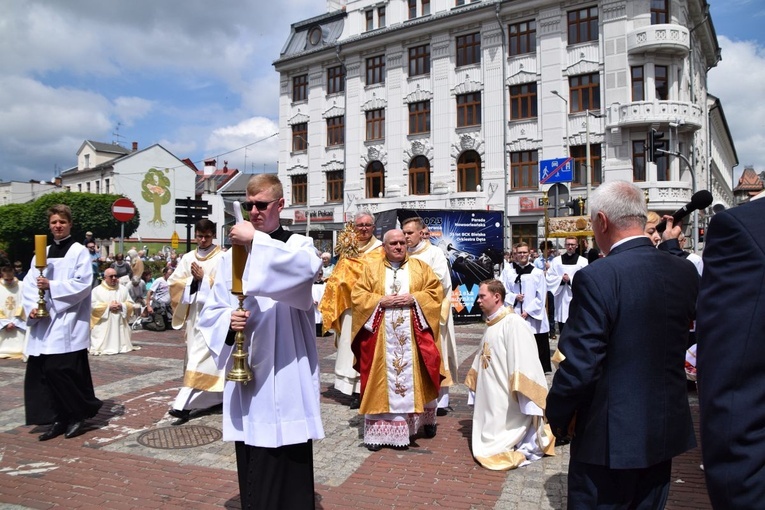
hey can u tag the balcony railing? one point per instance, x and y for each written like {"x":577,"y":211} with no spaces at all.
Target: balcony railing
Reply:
{"x":645,"y":112}
{"x":669,"y":39}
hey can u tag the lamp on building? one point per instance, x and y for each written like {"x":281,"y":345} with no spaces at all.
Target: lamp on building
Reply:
{"x":555,"y":93}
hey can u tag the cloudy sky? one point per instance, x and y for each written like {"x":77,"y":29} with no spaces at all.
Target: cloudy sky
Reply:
{"x":200,"y":82}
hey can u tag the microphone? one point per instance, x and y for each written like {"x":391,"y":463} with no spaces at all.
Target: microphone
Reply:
{"x":699,"y":200}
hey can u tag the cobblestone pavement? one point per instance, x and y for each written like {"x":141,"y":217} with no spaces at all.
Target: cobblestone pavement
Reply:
{"x":131,"y":458}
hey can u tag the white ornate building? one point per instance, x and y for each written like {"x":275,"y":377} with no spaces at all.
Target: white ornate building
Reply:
{"x":453,"y":104}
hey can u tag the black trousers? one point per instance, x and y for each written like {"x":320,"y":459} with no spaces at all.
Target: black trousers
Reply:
{"x":59,"y":387}
{"x":275,"y":478}
{"x":599,"y":487}
{"x":543,"y":348}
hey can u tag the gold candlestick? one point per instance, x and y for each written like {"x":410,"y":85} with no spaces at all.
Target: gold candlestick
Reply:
{"x":240,"y":371}
{"x":41,"y":261}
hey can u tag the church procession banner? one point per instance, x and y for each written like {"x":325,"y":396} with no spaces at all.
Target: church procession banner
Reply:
{"x":472,"y":242}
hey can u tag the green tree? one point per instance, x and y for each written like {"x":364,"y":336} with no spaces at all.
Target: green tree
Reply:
{"x":19,"y":223}
{"x":155,"y":189}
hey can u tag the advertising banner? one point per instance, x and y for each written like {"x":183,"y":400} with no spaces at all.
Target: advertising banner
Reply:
{"x":472,"y":242}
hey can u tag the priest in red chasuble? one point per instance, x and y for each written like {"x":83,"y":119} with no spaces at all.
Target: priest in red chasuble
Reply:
{"x":396,"y":311}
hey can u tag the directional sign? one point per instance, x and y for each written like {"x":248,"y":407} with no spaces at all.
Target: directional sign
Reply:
{"x":556,"y":170}
{"x":123,"y":209}
{"x":188,"y":211}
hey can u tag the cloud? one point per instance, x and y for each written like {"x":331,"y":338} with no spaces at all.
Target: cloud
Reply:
{"x":738,"y":82}
{"x":252,"y":139}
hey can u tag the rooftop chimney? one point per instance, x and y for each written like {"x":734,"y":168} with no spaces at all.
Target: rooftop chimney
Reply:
{"x":135,"y":146}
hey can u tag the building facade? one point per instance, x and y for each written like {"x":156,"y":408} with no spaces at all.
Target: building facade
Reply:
{"x":450,"y":104}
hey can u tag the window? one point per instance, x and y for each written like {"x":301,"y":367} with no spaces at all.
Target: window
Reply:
{"x":412,"y":9}
{"x":87,"y":160}
{"x":525,"y":233}
{"x":335,"y":131}
{"x":523,"y":101}
{"x":425,"y":7}
{"x":659,"y":12}
{"x":469,"y":109}
{"x":468,"y":49}
{"x":300,"y":88}
{"x":638,"y":85}
{"x":376,"y":124}
{"x":524,"y":169}
{"x":584,"y":92}
{"x":419,"y":117}
{"x":638,"y":161}
{"x":335,"y":182}
{"x":106,"y":186}
{"x":299,"y":137}
{"x":87,"y":187}
{"x":335,"y":80}
{"x":370,"y":17}
{"x":583,"y":25}
{"x":419,"y":60}
{"x":468,"y":171}
{"x":419,"y":176}
{"x":579,"y":153}
{"x":661,"y":79}
{"x":375,"y":177}
{"x":299,"y":189}
{"x":79,"y":188}
{"x":98,"y":187}
{"x":523,"y":38}
{"x":381,"y":17}
{"x":376,"y":70}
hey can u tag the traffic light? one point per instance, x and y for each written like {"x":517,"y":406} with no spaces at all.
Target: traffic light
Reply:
{"x":654,"y":143}
{"x":701,"y":234}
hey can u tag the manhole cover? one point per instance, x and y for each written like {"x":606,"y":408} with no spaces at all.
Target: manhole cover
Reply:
{"x":171,"y":438}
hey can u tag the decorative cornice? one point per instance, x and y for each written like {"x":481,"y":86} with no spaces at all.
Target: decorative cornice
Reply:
{"x":393,"y":59}
{"x":297,"y":169}
{"x":582,"y":66}
{"x":613,"y":11}
{"x":467,"y":142}
{"x":298,"y":118}
{"x":520,"y":77}
{"x":376,"y":103}
{"x":439,"y":50}
{"x":418,"y":95}
{"x":374,"y":153}
{"x":331,"y":166}
{"x":335,"y":111}
{"x":420,"y":147}
{"x":467,"y":86}
{"x":352,"y":69}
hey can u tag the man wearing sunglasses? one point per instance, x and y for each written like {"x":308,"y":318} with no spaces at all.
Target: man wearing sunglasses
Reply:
{"x":274,"y":418}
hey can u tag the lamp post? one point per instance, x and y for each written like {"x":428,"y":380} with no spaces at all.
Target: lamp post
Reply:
{"x":568,"y":148}
{"x":307,"y":185}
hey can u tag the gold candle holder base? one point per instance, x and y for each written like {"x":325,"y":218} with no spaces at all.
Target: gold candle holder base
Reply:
{"x":240,"y":371}
{"x":42,"y":310}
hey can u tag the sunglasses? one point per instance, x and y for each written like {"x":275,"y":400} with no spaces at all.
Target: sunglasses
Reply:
{"x":260,"y":206}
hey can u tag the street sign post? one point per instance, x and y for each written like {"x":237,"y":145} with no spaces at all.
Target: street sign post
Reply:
{"x":188,"y":211}
{"x":556,"y":170}
{"x":123,"y":209}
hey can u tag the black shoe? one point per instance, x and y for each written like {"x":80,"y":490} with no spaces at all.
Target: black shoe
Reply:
{"x":74,"y":429}
{"x":374,"y":447}
{"x":183,"y":417}
{"x":430,"y":431}
{"x":175,"y":413}
{"x":562,"y":441}
{"x":355,"y":401}
{"x":441,"y":411}
{"x":55,"y":430}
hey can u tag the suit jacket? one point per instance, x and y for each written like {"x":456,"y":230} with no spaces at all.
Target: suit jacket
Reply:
{"x":731,"y":357}
{"x":623,"y":377}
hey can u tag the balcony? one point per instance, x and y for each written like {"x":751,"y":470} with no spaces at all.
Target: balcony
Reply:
{"x":643,"y":113}
{"x":666,"y":39}
{"x":666,"y":195}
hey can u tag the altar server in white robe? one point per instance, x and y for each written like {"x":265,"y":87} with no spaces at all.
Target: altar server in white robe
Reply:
{"x":560,"y":277}
{"x":508,"y":389}
{"x":12,"y":319}
{"x":526,"y":292}
{"x":274,"y":418}
{"x":109,"y":315}
{"x":420,"y":248}
{"x":189,"y":285}
{"x":58,"y":387}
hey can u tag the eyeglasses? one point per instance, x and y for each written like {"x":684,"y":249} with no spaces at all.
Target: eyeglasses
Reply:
{"x":571,"y":244}
{"x":111,"y":276}
{"x":364,"y":225}
{"x":259,"y":205}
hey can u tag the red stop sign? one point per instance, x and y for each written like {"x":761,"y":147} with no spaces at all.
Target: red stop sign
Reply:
{"x":123,"y":209}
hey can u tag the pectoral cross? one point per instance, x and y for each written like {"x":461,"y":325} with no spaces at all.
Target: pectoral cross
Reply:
{"x":396,"y":285}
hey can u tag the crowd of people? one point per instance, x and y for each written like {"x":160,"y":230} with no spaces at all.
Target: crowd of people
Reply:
{"x":618,"y":395}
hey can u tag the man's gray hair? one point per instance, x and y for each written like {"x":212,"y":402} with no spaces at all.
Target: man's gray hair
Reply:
{"x":362,"y":214}
{"x":621,"y":202}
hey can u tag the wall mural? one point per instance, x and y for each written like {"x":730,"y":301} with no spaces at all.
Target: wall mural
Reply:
{"x":155,"y":189}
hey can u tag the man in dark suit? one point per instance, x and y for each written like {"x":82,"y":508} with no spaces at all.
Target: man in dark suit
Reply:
{"x":620,"y":393}
{"x":731,"y":357}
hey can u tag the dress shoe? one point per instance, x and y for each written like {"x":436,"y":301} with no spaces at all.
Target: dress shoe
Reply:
{"x":430,"y":430}
{"x":175,"y":413}
{"x":374,"y":447}
{"x":55,"y":430}
{"x":355,"y":401}
{"x":562,"y":441}
{"x":74,"y":429}
{"x":441,"y":411}
{"x":183,"y":417}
